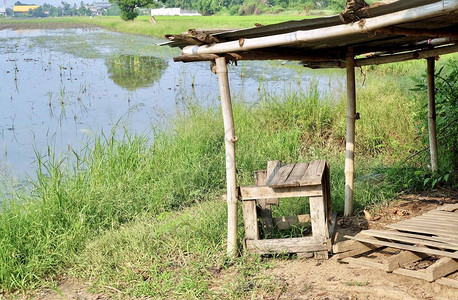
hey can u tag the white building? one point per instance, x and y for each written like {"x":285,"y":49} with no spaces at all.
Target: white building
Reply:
{"x":2,"y":11}
{"x":173,"y":11}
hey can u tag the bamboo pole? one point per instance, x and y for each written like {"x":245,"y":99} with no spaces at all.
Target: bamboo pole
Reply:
{"x":350,"y":144}
{"x":432,"y":114}
{"x":229,"y":143}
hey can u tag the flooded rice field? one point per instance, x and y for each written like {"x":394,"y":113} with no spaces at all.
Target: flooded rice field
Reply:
{"x":58,"y":87}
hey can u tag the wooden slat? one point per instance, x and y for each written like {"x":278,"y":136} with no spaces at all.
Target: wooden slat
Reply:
{"x":448,"y":207}
{"x":419,"y":229}
{"x":388,"y":235}
{"x":272,"y":168}
{"x":441,"y":267}
{"x":436,"y":220}
{"x":319,"y":220}
{"x":441,"y":213}
{"x":290,"y":245}
{"x":389,"y":264}
{"x":250,"y":220}
{"x":443,"y":227}
{"x":266,"y":192}
{"x":433,"y":238}
{"x":281,"y":175}
{"x":295,"y":177}
{"x":405,"y":247}
{"x":314,"y":173}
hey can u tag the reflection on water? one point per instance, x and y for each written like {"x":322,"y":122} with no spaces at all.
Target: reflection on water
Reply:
{"x":134,"y":71}
{"x":57,"y":87}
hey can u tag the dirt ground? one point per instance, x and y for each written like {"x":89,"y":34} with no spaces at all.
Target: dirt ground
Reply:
{"x":330,"y":279}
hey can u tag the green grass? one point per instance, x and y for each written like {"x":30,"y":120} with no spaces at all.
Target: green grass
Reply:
{"x":165,"y":25}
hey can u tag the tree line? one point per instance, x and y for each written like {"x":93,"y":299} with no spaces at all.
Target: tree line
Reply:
{"x":66,"y":9}
{"x":230,"y":7}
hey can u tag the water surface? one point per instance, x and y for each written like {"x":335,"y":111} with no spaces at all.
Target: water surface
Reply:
{"x":59,"y":86}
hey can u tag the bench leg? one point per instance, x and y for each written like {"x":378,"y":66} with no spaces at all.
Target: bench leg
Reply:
{"x":318,"y":216}
{"x":250,"y":220}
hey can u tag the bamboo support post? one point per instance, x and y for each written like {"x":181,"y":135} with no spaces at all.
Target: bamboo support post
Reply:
{"x":432,"y":114}
{"x":350,"y":143}
{"x":229,"y":142}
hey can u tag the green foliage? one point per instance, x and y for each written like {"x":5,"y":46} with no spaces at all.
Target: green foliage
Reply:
{"x":128,"y":7}
{"x":446,"y":82}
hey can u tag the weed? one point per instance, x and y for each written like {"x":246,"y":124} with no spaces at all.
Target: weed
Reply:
{"x":357,"y":283}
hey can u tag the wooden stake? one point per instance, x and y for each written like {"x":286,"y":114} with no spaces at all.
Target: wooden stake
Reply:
{"x":350,"y":144}
{"x":432,"y":114}
{"x":229,"y":142}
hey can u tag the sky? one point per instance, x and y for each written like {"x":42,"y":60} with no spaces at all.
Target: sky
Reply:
{"x":10,"y":3}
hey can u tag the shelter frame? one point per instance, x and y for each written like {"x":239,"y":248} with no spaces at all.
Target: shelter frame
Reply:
{"x":404,"y":36}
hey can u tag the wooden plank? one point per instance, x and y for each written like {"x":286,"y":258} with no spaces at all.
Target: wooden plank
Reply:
{"x":272,"y":168}
{"x":266,"y":192}
{"x":405,"y":247}
{"x":319,"y":220}
{"x":281,"y":175}
{"x":333,"y":228}
{"x":416,"y":236}
{"x":250,"y":220}
{"x":283,"y":223}
{"x":448,"y":207}
{"x":356,"y":251}
{"x":291,"y":245}
{"x":442,"y":267}
{"x":449,"y":217}
{"x":366,"y":262}
{"x":388,"y":235}
{"x":314,"y":173}
{"x":420,"y":274}
{"x":442,"y":213}
{"x":433,"y":220}
{"x":422,"y":223}
{"x":265,"y":212}
{"x":295,"y":176}
{"x":403,"y":258}
{"x":350,"y":245}
{"x":419,"y":229}
{"x":448,"y":282}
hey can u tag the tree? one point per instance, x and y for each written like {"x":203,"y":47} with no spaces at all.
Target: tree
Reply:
{"x":128,"y":7}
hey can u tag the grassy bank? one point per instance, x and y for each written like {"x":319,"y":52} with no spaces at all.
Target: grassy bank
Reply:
{"x":142,"y":25}
{"x":143,"y":215}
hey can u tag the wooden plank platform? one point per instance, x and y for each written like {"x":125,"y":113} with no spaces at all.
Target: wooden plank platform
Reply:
{"x":433,"y":233}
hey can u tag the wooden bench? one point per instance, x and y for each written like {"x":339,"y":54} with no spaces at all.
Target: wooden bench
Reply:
{"x":292,"y":180}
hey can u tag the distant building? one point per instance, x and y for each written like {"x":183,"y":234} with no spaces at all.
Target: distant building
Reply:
{"x":98,"y":8}
{"x":24,"y":9}
{"x":2,"y":11}
{"x":174,"y":11}
{"x":19,"y":10}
